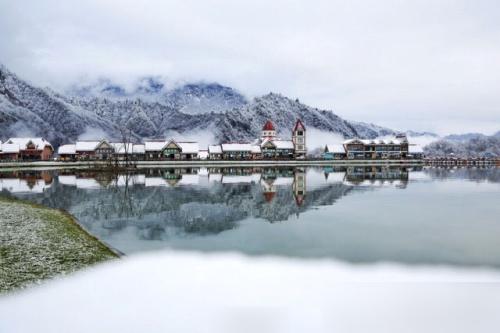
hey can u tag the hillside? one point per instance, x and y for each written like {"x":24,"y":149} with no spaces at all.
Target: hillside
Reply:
{"x":209,"y":111}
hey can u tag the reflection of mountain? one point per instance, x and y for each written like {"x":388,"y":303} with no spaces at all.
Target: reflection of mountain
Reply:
{"x":196,"y":201}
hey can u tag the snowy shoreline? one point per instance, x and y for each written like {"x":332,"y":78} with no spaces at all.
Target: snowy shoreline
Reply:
{"x":39,"y":243}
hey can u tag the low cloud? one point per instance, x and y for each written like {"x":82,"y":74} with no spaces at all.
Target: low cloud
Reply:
{"x":421,"y":65}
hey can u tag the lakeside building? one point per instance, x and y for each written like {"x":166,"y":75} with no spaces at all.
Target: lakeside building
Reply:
{"x":334,"y":152}
{"x":360,"y":149}
{"x":26,"y":149}
{"x":268,"y":146}
{"x":149,"y":150}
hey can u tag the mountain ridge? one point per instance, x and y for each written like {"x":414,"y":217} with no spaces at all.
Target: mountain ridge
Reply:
{"x":209,"y":110}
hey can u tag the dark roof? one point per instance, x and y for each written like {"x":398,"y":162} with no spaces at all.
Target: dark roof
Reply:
{"x":299,"y":124}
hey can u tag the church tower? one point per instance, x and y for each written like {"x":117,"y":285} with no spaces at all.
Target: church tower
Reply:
{"x":268,"y":131}
{"x":299,"y":139}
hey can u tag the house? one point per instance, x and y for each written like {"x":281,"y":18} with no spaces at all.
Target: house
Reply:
{"x":94,"y":150}
{"x":215,"y":152}
{"x":153,"y":149}
{"x":203,"y":154}
{"x":138,"y":151}
{"x":334,"y":152}
{"x":174,"y":150}
{"x":377,"y":149}
{"x":67,"y":152}
{"x":123,"y":151}
{"x":415,"y":152}
{"x":256,"y":152}
{"x":276,"y":148}
{"x":27,"y":149}
{"x":236,"y":151}
{"x":9,"y":152}
{"x":299,"y":139}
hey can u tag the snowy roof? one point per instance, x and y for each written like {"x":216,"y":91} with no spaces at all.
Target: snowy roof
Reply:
{"x":283,"y":144}
{"x":415,"y":149}
{"x":256,"y":149}
{"x":203,"y":154}
{"x":10,"y":148}
{"x":122,"y":148}
{"x":86,"y":145}
{"x":154,"y":145}
{"x":236,"y":147}
{"x":39,"y":143}
{"x":138,"y":149}
{"x":67,"y":149}
{"x":189,"y":147}
{"x":215,"y":149}
{"x":374,"y":141}
{"x":335,"y":148}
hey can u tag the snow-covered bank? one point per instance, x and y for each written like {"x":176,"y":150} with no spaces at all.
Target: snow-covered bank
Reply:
{"x":38,"y":243}
{"x":179,"y":292}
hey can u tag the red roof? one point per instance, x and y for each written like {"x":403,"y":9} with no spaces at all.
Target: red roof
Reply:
{"x":299,"y":125}
{"x":269,"y":196}
{"x":268,"y":126}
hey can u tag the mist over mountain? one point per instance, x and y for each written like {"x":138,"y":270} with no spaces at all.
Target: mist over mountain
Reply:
{"x":208,"y":112}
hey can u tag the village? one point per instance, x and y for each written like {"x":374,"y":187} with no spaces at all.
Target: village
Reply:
{"x":268,"y":147}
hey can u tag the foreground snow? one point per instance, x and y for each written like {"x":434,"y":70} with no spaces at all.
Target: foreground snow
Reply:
{"x":172,"y":292}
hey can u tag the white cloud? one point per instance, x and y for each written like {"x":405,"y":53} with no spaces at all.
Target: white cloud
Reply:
{"x":426,"y":65}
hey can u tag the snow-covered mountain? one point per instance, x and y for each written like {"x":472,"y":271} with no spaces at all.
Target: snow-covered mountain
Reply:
{"x":203,"y":110}
{"x":191,"y":98}
{"x":466,"y":145}
{"x":29,"y":111}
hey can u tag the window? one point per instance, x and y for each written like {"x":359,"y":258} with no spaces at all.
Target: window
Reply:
{"x":300,"y":133}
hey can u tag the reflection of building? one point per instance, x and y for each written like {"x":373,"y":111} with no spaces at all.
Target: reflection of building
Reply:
{"x":299,"y":185}
{"x":26,"y":181}
{"x":376,"y":175}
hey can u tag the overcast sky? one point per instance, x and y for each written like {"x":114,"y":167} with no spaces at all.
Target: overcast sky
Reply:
{"x":424,"y":65}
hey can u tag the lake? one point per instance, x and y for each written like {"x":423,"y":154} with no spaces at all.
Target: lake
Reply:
{"x":365,"y":214}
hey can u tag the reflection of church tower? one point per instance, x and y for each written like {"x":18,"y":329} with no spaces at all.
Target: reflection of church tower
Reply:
{"x":269,"y":189}
{"x":268,"y":131}
{"x":299,"y":139}
{"x":299,"y":186}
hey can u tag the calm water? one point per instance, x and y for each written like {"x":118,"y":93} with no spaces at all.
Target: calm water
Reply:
{"x":355,"y":214}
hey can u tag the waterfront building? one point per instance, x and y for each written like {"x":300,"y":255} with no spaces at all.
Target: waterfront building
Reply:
{"x":174,"y":150}
{"x":236,"y":151}
{"x":215,"y":152}
{"x":299,"y":139}
{"x":94,"y":150}
{"x":273,"y":147}
{"x":377,"y":149}
{"x":26,"y":149}
{"x":153,"y":149}
{"x":334,"y":152}
{"x":67,"y":152}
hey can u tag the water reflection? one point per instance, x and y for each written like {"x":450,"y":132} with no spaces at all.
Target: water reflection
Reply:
{"x":223,"y":209}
